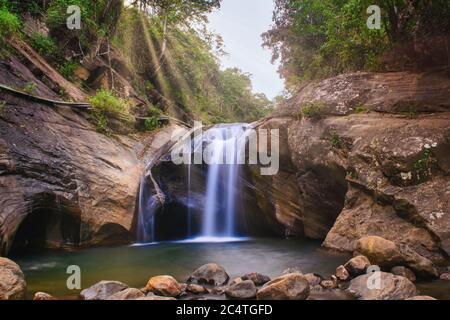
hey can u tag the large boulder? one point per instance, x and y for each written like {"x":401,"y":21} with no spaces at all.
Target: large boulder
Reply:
{"x":211,"y":274}
{"x":127,"y":294}
{"x":12,"y":281}
{"x":102,"y":290}
{"x":242,"y":290}
{"x":165,"y":286}
{"x":385,"y":253}
{"x":382,"y":286}
{"x":292,"y":286}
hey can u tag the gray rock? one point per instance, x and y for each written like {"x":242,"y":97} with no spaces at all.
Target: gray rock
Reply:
{"x":242,"y":290}
{"x":404,"y":272}
{"x":12,"y":281}
{"x":102,"y":290}
{"x":292,"y":270}
{"x":391,"y":287}
{"x":127,"y":294}
{"x":211,"y":274}
{"x":445,"y":276}
{"x":292,"y":286}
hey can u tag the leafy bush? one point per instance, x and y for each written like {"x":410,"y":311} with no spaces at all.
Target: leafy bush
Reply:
{"x":9,"y":23}
{"x":151,"y":124}
{"x":108,"y":102}
{"x":312,"y":109}
{"x":67,"y":69}
{"x":44,"y":45}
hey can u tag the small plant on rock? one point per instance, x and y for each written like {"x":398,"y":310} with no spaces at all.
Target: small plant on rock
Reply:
{"x":312,"y":109}
{"x":30,"y":88}
{"x":335,"y":140}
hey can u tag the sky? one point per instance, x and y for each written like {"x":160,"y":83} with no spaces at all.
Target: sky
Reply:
{"x":241,"y":23}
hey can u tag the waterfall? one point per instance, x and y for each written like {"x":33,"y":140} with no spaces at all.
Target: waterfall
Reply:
{"x":222,"y":148}
{"x":226,"y":144}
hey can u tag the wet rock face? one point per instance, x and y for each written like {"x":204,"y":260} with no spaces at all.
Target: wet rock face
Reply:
{"x":12,"y":281}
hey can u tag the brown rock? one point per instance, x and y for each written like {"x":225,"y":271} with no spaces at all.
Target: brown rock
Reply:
{"x":313,"y":279}
{"x":242,"y":290}
{"x":330,"y":283}
{"x":212,"y":274}
{"x":12,"y":281}
{"x":42,"y":296}
{"x":445,"y":276}
{"x":342,"y":273}
{"x":357,"y":265}
{"x":257,"y":278}
{"x":293,"y":286}
{"x":389,"y":287}
{"x":102,"y":290}
{"x":404,"y":272}
{"x":165,"y":286}
{"x":127,"y":294}
{"x":385,"y":253}
{"x":196,"y":289}
{"x":421,"y":298}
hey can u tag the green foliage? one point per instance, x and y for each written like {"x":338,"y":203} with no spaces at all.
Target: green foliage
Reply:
{"x":154,"y":111}
{"x":9,"y":23}
{"x":44,"y":45}
{"x":107,"y":102}
{"x":315,"y":39}
{"x":2,"y":107}
{"x":186,"y":69}
{"x":422,"y":163}
{"x":360,"y":109}
{"x":101,"y":122}
{"x":335,"y":140}
{"x":30,"y":88}
{"x":151,"y":124}
{"x":67,"y":69}
{"x":312,"y":109}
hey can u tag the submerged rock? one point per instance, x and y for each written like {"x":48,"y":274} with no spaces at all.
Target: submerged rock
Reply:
{"x":165,"y":286}
{"x":404,"y":272}
{"x":257,"y":278}
{"x":12,"y":281}
{"x":102,"y":290}
{"x":389,"y":287}
{"x":242,"y":290}
{"x":292,"y":286}
{"x":357,"y":265}
{"x":127,"y":294}
{"x":42,"y":296}
{"x":211,"y":274}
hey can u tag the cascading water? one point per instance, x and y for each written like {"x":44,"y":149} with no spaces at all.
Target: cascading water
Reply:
{"x":225,"y":144}
{"x":222,"y":148}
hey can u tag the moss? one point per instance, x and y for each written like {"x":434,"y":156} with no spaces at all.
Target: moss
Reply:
{"x":360,"y":109}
